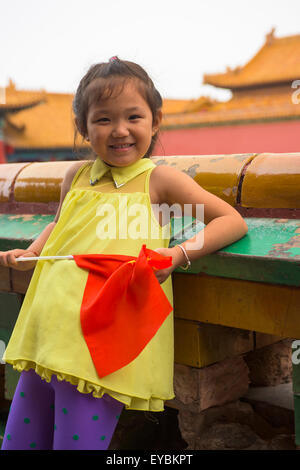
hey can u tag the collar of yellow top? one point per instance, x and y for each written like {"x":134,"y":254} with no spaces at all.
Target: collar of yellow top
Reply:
{"x":120,"y":175}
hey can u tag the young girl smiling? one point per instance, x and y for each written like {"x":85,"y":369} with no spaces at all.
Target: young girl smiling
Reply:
{"x":62,"y":401}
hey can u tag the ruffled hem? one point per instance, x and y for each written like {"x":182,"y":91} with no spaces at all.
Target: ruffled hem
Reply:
{"x":84,"y":386}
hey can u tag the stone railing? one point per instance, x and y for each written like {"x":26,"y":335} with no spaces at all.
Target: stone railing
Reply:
{"x":228,"y":308}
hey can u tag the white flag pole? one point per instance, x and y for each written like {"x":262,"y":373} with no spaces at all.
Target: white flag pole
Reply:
{"x":38,"y":258}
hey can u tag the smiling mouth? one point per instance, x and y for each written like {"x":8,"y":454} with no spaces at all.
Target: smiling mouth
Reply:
{"x":120,"y":146}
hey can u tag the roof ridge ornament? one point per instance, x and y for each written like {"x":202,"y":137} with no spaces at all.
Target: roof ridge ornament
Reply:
{"x":11,"y":85}
{"x":270,"y":37}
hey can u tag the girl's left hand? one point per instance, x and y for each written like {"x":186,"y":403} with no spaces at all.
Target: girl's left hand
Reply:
{"x":177,"y":260}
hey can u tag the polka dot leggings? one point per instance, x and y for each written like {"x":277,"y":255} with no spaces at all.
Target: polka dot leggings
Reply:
{"x":56,"y":416}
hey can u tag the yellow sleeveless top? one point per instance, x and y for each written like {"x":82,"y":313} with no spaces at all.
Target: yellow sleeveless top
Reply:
{"x":47,"y":336}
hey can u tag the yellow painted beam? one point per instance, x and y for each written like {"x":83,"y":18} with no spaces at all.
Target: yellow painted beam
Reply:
{"x":266,"y":308}
{"x":41,"y":181}
{"x":9,"y":171}
{"x":272,"y":181}
{"x":219,"y":174}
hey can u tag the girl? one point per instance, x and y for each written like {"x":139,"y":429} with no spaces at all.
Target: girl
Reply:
{"x":62,"y":401}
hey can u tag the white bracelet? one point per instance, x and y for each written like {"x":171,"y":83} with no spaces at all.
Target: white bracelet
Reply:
{"x":188,"y":263}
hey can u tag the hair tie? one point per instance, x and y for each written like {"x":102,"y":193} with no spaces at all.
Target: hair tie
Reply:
{"x":113,"y":59}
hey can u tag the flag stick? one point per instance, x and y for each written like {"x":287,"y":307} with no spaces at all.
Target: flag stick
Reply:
{"x":37,"y":258}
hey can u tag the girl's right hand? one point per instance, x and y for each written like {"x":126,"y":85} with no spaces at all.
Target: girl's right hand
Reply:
{"x":8,"y":259}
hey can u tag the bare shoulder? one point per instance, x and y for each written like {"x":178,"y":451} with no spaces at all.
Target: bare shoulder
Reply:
{"x":167,"y":182}
{"x":169,"y":173}
{"x":174,"y":186}
{"x":71,"y":172}
{"x":67,"y":181}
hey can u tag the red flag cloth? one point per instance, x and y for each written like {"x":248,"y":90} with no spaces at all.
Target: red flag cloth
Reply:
{"x":123,"y":306}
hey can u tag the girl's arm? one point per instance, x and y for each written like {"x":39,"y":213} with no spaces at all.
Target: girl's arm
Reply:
{"x":8,"y":258}
{"x":224,"y":225}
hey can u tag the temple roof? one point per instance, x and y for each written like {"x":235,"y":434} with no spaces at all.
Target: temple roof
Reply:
{"x":18,"y":99}
{"x":50,"y":123}
{"x":47,"y":125}
{"x":45,"y":120}
{"x":278,"y":61}
{"x":278,"y":105}
{"x":12,"y":102}
{"x":175,"y":106}
{"x":6,"y":108}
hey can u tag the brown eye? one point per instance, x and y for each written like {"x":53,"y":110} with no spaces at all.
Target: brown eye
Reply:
{"x":134,"y":117}
{"x":103,"y":120}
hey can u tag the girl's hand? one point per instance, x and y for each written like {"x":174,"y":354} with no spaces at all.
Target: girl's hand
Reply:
{"x":8,"y":259}
{"x":177,"y":260}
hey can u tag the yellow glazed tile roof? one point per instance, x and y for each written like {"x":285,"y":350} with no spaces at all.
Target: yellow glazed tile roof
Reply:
{"x":251,"y":107}
{"x":15,"y":99}
{"x":47,"y":118}
{"x":47,"y":125}
{"x":175,"y":106}
{"x":277,"y":61}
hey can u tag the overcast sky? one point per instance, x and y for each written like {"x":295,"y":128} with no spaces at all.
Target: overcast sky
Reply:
{"x":49,"y":44}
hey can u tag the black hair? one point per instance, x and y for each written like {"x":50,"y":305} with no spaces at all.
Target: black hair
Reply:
{"x":95,"y":85}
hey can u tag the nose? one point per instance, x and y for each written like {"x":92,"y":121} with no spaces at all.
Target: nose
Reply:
{"x":120,"y":129}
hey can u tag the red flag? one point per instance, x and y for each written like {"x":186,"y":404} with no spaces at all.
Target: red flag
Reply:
{"x":123,"y":306}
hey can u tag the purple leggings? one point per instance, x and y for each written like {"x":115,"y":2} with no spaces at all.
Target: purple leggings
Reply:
{"x":56,"y":416}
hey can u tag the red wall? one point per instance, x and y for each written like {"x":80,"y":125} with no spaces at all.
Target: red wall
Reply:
{"x":277,"y":137}
{"x":2,"y":152}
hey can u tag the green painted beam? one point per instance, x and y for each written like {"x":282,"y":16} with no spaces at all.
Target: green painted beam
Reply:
{"x":270,"y":252}
{"x":18,"y":230}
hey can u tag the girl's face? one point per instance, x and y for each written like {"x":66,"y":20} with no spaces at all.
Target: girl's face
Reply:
{"x":120,"y":128}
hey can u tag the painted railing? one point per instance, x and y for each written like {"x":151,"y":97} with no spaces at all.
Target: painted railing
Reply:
{"x":229,"y":303}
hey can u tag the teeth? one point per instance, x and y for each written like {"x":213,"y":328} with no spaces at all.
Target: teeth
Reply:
{"x":121,"y":146}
